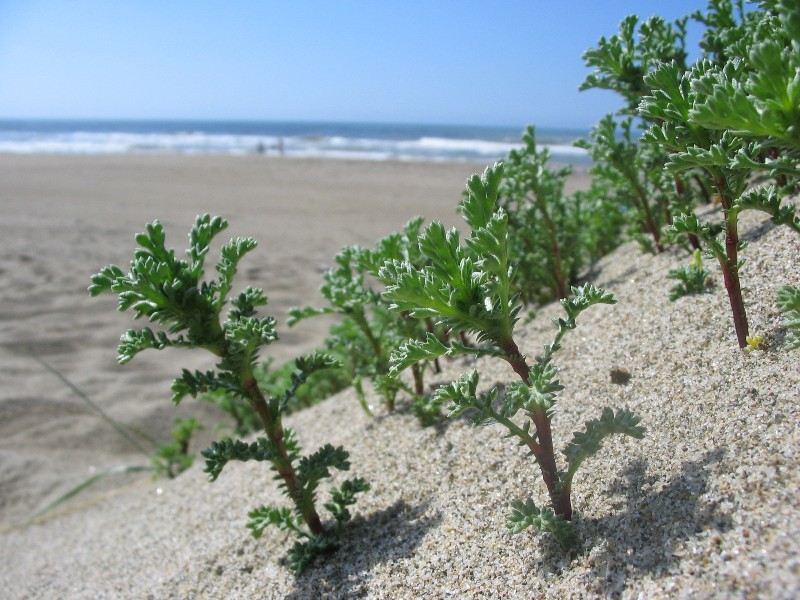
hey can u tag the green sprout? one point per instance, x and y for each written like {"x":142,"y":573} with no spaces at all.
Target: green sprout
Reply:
{"x":755,"y":342}
{"x":692,"y":279}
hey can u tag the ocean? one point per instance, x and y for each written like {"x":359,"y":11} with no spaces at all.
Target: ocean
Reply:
{"x":366,"y":141}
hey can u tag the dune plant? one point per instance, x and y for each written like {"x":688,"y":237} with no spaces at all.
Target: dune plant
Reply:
{"x":682,"y":108}
{"x":273,"y":381}
{"x":636,"y":175}
{"x":468,"y":288}
{"x":360,"y":306}
{"x":634,"y":171}
{"x":174,"y":294}
{"x":621,"y":61}
{"x":691,"y":278}
{"x":752,"y":91}
{"x":546,"y":244}
{"x":369,"y":332}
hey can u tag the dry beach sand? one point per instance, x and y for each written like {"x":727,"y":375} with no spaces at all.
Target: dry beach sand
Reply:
{"x":705,"y":506}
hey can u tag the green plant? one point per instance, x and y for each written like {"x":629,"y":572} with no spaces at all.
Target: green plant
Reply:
{"x":635,"y":172}
{"x":751,"y":90}
{"x":636,"y":175}
{"x":789,"y":302}
{"x":677,"y":99}
{"x":172,"y":458}
{"x":692,"y":279}
{"x":369,"y":332}
{"x":360,"y":306}
{"x":621,"y":61}
{"x":547,"y":226}
{"x":318,"y":386}
{"x":174,"y":294}
{"x":755,"y":342}
{"x":468,"y":288}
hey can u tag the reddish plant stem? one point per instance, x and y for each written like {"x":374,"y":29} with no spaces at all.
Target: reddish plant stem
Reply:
{"x":649,"y":222}
{"x":703,"y":188}
{"x":730,"y":266}
{"x":274,"y":430}
{"x":544,"y":452}
{"x":419,"y":384}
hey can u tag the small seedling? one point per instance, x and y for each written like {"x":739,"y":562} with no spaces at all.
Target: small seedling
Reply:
{"x":692,"y":279}
{"x":755,"y":342}
{"x":173,"y":458}
{"x":467,"y":288}
{"x":173,"y":293}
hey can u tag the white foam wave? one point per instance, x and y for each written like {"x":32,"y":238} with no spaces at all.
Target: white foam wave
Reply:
{"x":424,"y":148}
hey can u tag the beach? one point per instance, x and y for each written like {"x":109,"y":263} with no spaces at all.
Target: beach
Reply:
{"x":67,"y":216}
{"x":705,"y":506}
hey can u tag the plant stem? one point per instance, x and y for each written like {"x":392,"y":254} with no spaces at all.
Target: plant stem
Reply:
{"x":361,"y":320}
{"x":703,"y":188}
{"x":517,"y":361}
{"x":730,"y":265}
{"x":542,"y":448}
{"x":419,"y":384}
{"x":547,"y":463}
{"x":648,"y":215}
{"x":274,"y":429}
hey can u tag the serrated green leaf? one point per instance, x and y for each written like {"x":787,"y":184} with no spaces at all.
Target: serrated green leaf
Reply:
{"x":220,"y":453}
{"x":586,"y":443}
{"x":524,"y":514}
{"x":789,"y":303}
{"x":480,"y":204}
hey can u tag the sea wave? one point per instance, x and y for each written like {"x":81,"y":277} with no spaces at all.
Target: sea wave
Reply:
{"x":426,"y":148}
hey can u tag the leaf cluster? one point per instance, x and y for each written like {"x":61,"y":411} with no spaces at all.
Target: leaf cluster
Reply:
{"x":369,"y":332}
{"x":621,"y":61}
{"x":464,"y":288}
{"x":754,"y":92}
{"x":635,"y":175}
{"x":552,"y":235}
{"x":789,"y":303}
{"x":171,"y":292}
{"x":311,"y":545}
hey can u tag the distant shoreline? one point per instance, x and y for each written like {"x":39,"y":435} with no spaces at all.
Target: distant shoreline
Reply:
{"x":368,"y":141}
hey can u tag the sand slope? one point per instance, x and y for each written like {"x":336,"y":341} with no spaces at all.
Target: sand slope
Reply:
{"x":705,"y":506}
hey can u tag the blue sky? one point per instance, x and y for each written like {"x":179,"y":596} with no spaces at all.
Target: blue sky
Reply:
{"x":497,"y":62}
